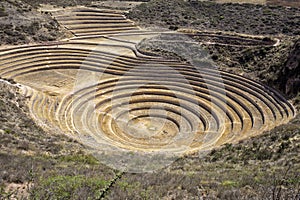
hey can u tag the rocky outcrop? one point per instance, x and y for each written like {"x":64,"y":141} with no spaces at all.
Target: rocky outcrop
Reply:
{"x":290,"y":74}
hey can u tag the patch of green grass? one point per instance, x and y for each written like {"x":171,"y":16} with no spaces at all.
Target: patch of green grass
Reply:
{"x":229,"y":183}
{"x":132,"y":189}
{"x":68,"y":187}
{"x":125,"y":186}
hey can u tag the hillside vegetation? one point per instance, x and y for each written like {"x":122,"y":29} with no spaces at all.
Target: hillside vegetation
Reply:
{"x":20,"y":24}
{"x":242,"y":18}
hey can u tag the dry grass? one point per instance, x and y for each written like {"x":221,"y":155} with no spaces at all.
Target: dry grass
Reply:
{"x":291,"y":3}
{"x":263,"y":2}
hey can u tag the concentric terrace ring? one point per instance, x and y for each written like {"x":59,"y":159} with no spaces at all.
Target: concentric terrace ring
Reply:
{"x":99,"y":88}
